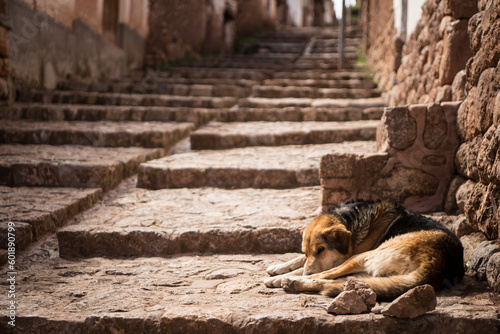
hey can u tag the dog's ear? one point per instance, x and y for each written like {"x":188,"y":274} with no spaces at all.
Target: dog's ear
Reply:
{"x":340,"y":240}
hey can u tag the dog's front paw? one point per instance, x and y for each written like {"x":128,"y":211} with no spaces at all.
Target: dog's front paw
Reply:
{"x":278,"y":269}
{"x":290,"y":284}
{"x":273,"y":282}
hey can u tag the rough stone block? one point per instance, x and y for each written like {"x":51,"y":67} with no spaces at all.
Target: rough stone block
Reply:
{"x":456,"y":51}
{"x":436,"y":127}
{"x":480,"y":258}
{"x":413,"y":303}
{"x":397,"y":129}
{"x":460,"y":9}
{"x":493,"y":272}
{"x":470,"y":242}
{"x":337,"y":166}
{"x":481,"y":209}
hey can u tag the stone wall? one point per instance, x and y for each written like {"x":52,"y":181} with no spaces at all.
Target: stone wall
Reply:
{"x":186,"y":28}
{"x":478,"y":158}
{"x":379,"y":35}
{"x":434,"y":54}
{"x":416,"y":143}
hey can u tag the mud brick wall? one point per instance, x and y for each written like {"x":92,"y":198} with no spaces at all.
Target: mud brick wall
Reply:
{"x":379,"y":33}
{"x":434,"y":54}
{"x":478,"y":158}
{"x":413,"y":165}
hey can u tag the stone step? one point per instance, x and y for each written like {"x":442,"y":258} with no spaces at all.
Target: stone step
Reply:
{"x":215,"y":73}
{"x":92,"y":113}
{"x":158,"y":87}
{"x":46,"y":96}
{"x":261,"y":102}
{"x":299,"y":114}
{"x":322,"y":83}
{"x":323,"y":75}
{"x":103,"y":134}
{"x":216,"y":136}
{"x":148,"y":83}
{"x":210,"y":294}
{"x":271,"y":47}
{"x":335,"y":49}
{"x":247,"y":65}
{"x":313,"y":92}
{"x":140,"y":222}
{"x":36,"y":211}
{"x":250,"y":167}
{"x":70,"y":166}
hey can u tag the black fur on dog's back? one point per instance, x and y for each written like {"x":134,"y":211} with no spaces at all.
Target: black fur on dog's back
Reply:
{"x":357,"y":217}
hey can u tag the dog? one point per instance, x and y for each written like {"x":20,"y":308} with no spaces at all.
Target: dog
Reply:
{"x":381,"y":243}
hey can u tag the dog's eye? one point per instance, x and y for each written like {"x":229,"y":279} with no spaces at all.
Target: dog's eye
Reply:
{"x":320,"y":250}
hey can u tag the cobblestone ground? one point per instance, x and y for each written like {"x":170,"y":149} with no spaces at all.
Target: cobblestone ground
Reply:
{"x":150,"y":241}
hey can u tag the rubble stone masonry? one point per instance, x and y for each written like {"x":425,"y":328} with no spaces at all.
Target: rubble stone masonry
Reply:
{"x":478,"y":158}
{"x":415,"y":143}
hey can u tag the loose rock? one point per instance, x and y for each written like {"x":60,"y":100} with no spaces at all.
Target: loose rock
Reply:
{"x":413,"y":303}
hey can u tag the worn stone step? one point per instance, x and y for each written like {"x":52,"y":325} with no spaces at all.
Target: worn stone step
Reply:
{"x":324,"y":75}
{"x":70,"y":166}
{"x":217,"y":135}
{"x":103,"y":134}
{"x":158,"y":87}
{"x":148,"y":83}
{"x":92,"y":113}
{"x":299,"y":114}
{"x":271,"y":47}
{"x":36,"y":211}
{"x":46,"y":96}
{"x":261,"y":102}
{"x":322,"y":83}
{"x":209,"y":294}
{"x":313,"y":92}
{"x":251,"y":167}
{"x":335,"y":49}
{"x":215,"y":73}
{"x":140,"y":222}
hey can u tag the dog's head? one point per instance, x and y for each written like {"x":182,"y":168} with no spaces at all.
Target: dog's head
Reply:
{"x":326,"y":243}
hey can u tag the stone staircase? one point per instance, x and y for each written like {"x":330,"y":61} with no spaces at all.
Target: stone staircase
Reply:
{"x":182,"y":245}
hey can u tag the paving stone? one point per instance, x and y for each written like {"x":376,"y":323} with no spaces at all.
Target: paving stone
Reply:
{"x":45,"y":96}
{"x":36,"y":211}
{"x":298,"y":114}
{"x":229,"y":135}
{"x":74,"y":112}
{"x":313,"y":93}
{"x":260,"y":102}
{"x":70,"y":166}
{"x":250,"y":167}
{"x":104,"y":134}
{"x":139,"y":222}
{"x":172,"y":295}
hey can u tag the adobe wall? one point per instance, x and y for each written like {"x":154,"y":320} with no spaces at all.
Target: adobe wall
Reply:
{"x":50,"y":41}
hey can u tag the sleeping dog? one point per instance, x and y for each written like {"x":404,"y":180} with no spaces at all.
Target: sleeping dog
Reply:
{"x":381,"y":243}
